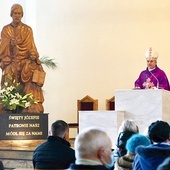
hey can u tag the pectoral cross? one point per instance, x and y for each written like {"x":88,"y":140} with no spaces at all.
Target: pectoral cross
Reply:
{"x":148,"y":84}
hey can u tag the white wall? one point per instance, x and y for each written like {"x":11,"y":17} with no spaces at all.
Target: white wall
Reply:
{"x":98,"y":45}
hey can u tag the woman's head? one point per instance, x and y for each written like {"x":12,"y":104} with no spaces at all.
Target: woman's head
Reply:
{"x":129,"y":125}
{"x":137,"y":140}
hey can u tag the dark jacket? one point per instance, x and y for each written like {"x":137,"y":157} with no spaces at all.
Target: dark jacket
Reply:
{"x":1,"y":166}
{"x":121,"y":143}
{"x":85,"y":167}
{"x":55,"y":153}
{"x":165,"y":165}
{"x":150,"y":157}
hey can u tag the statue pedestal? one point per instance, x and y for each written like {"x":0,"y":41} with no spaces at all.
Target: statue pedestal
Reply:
{"x":20,"y":134}
{"x":143,"y":106}
{"x":23,"y":126}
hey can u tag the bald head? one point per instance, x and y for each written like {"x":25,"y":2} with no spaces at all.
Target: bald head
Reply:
{"x":93,"y":144}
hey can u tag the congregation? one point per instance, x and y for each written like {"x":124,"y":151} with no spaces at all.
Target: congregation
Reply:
{"x":93,"y":148}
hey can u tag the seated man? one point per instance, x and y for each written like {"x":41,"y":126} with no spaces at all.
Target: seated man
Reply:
{"x":92,"y":149}
{"x":55,"y":153}
{"x":150,"y":157}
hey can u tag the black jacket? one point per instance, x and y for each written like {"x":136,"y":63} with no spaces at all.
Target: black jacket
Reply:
{"x":121,"y":142}
{"x":85,"y":167}
{"x":55,"y":153}
{"x":1,"y":166}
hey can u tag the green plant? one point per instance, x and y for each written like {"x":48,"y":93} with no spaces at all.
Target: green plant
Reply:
{"x":11,"y":98}
{"x":48,"y":62}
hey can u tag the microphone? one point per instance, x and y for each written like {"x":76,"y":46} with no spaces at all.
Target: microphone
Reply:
{"x":156,"y":79}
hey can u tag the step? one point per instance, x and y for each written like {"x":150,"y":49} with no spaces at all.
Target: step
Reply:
{"x":16,"y":154}
{"x":12,"y":164}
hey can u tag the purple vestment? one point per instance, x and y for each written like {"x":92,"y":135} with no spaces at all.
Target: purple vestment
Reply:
{"x":150,"y":79}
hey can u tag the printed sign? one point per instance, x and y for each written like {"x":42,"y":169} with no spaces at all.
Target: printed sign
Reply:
{"x":23,"y":126}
